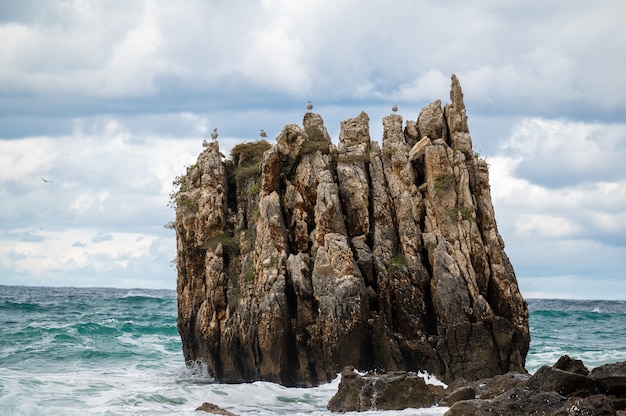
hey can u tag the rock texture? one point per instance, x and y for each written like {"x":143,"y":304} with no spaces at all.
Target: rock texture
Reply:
{"x":214,"y":409}
{"x":298,"y":259}
{"x":389,"y":391}
{"x":566,"y":388}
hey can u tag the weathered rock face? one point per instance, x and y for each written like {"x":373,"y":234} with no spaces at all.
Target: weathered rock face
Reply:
{"x":390,"y":391}
{"x":298,"y":259}
{"x":567,"y":388}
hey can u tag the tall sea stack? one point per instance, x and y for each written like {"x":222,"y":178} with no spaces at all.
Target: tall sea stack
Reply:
{"x":299,"y":258}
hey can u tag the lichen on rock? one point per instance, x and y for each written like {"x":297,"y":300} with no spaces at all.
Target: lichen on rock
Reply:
{"x":300,"y":258}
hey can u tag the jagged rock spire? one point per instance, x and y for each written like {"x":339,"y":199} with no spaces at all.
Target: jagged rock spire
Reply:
{"x":298,"y":259}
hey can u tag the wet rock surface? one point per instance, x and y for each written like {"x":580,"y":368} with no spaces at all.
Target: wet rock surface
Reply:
{"x":566,"y":388}
{"x":213,"y":409}
{"x":550,"y":391}
{"x":298,"y":259}
{"x":389,"y":391}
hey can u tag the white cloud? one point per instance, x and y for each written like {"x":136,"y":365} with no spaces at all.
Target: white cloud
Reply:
{"x":549,"y":226}
{"x":501,"y":179}
{"x":275,"y":58}
{"x":571,"y":287}
{"x":102,"y":213}
{"x":57,"y":251}
{"x":111,"y":100}
{"x":83,"y":202}
{"x":531,"y":55}
{"x":588,"y":208}
{"x":78,"y":257}
{"x":563,"y":235}
{"x":133,"y":57}
{"x":428,"y":86}
{"x":200,"y":124}
{"x":27,"y":159}
{"x":560,"y":152}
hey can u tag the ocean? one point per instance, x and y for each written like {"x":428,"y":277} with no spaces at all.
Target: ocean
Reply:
{"x":77,"y":351}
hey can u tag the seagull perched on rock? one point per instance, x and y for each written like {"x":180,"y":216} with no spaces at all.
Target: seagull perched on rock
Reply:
{"x":309,"y":106}
{"x":205,"y":143}
{"x":262,"y":133}
{"x":214,"y":134}
{"x":394,"y":108}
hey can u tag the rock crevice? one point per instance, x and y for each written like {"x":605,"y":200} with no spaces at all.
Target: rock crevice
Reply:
{"x":298,"y":259}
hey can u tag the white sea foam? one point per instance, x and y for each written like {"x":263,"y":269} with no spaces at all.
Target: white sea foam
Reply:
{"x":263,"y":398}
{"x":195,"y":372}
{"x":431,"y":379}
{"x":179,"y":391}
{"x":428,"y":378}
{"x":144,"y":293}
{"x":147,"y":343}
{"x":69,"y":358}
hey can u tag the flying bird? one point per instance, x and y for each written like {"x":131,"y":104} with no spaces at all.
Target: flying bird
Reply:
{"x":309,"y":106}
{"x":262,"y":133}
{"x":394,"y":108}
{"x":47,"y":180}
{"x":214,"y":134}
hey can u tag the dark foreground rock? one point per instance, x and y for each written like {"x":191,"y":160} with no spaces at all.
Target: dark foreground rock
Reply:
{"x":213,"y":409}
{"x":390,"y":391}
{"x":565,"y":389}
{"x":514,"y":402}
{"x":563,"y":382}
{"x":489,"y":388}
{"x":300,"y":258}
{"x":611,"y":377}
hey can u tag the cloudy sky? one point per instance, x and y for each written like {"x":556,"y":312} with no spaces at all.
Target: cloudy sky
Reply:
{"x":108,"y":101}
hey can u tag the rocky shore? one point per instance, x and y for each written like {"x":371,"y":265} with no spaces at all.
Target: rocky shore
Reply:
{"x":567,"y":388}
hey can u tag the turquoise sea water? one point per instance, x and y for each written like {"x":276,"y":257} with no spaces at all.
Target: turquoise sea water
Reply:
{"x":75,"y":351}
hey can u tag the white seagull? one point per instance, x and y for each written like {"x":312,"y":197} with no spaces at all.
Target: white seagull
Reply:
{"x":309,"y":106}
{"x":214,"y":134}
{"x":394,"y":108}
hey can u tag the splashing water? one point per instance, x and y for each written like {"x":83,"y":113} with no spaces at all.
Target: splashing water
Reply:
{"x":71,"y":351}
